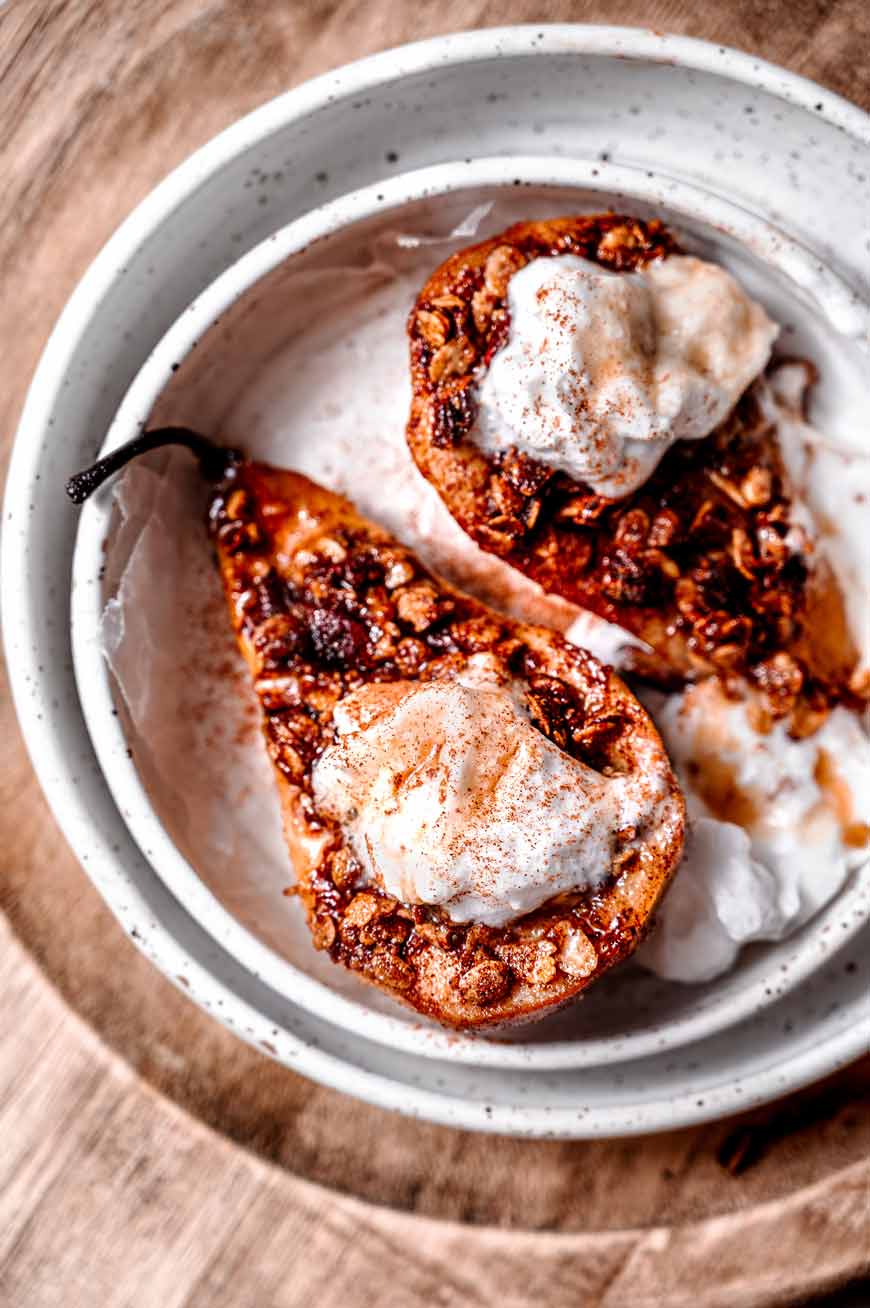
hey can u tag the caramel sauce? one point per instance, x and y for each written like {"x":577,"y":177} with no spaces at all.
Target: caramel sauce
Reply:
{"x":715,"y":782}
{"x":825,"y":644}
{"x":837,"y":799}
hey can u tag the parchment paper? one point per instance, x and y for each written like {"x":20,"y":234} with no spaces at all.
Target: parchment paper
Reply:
{"x":310,"y":370}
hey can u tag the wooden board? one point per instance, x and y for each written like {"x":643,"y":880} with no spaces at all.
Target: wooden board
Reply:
{"x":112,"y":1189}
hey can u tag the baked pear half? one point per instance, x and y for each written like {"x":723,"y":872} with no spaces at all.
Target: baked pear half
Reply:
{"x":424,"y":747}
{"x":698,"y":562}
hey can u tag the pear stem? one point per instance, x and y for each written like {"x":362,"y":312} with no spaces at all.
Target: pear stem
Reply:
{"x":215,"y":461}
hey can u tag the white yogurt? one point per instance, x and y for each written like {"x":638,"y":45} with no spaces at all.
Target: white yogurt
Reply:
{"x":776,"y":825}
{"x":603,"y":371}
{"x":721,"y":899}
{"x":450,"y":796}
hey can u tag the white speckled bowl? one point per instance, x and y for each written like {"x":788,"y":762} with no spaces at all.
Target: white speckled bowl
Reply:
{"x":246,"y":322}
{"x":777,"y":146}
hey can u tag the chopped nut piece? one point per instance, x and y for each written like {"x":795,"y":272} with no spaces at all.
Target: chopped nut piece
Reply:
{"x":524,"y":473}
{"x":419,"y":606}
{"x":329,"y":548}
{"x":432,"y":932}
{"x":582,"y":509}
{"x":500,"y":533}
{"x":452,"y":359}
{"x":756,"y":486}
{"x":624,"y":577}
{"x":501,"y":265}
{"x":276,"y":640}
{"x":287,"y":759}
{"x":476,"y":634}
{"x":398,"y":572}
{"x":781,"y":679}
{"x":448,"y":302}
{"x":323,"y":698}
{"x":742,"y":553}
{"x":664,"y":529}
{"x":597,"y":732}
{"x":237,"y":503}
{"x":545,"y":963}
{"x":727,"y":487}
{"x":633,"y":528}
{"x":619,"y":242}
{"x":343,"y":867}
{"x":323,"y":933}
{"x":550,"y":547}
{"x":392,"y":970}
{"x":486,"y":982}
{"x":702,"y":516}
{"x":482,"y":304}
{"x":531,"y":513}
{"x":727,"y":656}
{"x":434,"y":327}
{"x":508,"y":499}
{"x":411,"y":654}
{"x":361,"y":909}
{"x":533,"y":961}
{"x":305,"y":558}
{"x":716,"y":632}
{"x":616,"y":239}
{"x":775,"y":602}
{"x":577,"y":956}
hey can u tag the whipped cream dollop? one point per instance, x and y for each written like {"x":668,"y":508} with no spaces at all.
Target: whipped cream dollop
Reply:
{"x":603,"y":371}
{"x":450,"y":796}
{"x":775,"y":827}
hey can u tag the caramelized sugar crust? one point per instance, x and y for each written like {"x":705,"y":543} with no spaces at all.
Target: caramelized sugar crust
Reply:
{"x":696,"y":562}
{"x":323,"y":602}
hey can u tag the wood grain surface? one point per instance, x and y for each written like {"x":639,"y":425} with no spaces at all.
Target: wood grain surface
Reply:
{"x":114,"y":1188}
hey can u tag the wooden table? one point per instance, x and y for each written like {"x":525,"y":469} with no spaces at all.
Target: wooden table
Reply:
{"x":146,"y":1156}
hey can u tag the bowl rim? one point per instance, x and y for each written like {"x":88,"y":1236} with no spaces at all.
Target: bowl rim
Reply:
{"x":807,"y":950}
{"x":44,"y":741}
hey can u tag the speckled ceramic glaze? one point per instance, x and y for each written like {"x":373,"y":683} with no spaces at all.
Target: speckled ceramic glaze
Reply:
{"x":777,"y":147}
